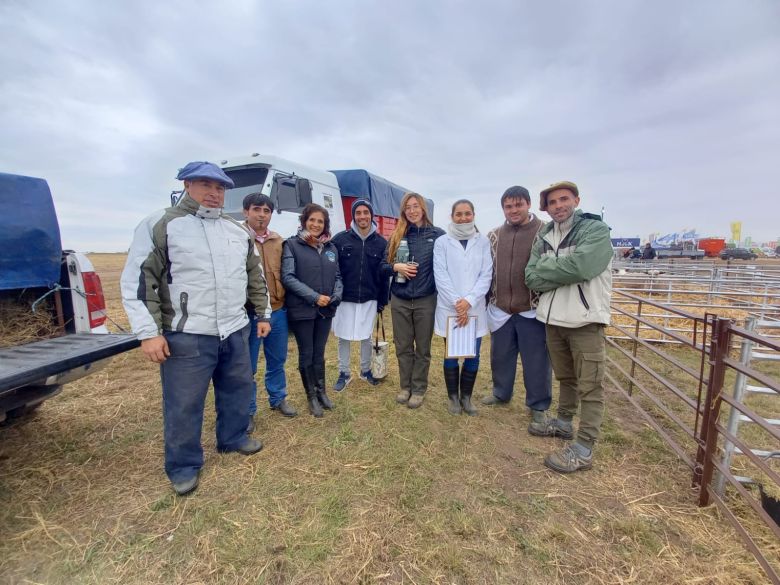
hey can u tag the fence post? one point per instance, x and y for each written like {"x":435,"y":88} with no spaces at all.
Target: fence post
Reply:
{"x":739,"y":392}
{"x":634,"y":350}
{"x":719,"y":349}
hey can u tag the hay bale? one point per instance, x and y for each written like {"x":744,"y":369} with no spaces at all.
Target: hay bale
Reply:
{"x":18,"y":323}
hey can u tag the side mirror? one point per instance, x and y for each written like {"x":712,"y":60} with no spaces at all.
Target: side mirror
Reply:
{"x":303,"y":191}
{"x":290,"y":193}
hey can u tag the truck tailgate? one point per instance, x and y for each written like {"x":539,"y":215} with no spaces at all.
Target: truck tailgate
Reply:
{"x":29,"y":363}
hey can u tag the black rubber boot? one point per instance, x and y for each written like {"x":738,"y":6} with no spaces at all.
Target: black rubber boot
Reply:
{"x":451,"y":376}
{"x":307,"y":379}
{"x":319,"y":387}
{"x":467,"y":380}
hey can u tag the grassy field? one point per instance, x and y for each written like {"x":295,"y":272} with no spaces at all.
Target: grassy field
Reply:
{"x":372,"y":493}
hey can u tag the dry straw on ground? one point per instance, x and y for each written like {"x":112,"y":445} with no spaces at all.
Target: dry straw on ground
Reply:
{"x":372,"y":493}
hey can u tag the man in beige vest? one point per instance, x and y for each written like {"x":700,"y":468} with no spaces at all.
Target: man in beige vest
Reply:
{"x":258,"y":211}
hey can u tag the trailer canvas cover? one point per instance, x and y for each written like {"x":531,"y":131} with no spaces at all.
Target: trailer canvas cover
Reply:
{"x":384,"y":196}
{"x":30,"y":248}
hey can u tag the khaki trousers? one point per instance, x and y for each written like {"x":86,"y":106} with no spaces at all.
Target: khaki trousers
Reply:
{"x":412,"y":333}
{"x":577,"y":356}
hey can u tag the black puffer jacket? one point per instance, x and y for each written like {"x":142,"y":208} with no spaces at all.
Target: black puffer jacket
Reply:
{"x":307,"y":274}
{"x":359,"y":262}
{"x":421,"y":251}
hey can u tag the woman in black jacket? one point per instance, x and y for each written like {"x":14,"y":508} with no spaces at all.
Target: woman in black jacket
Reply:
{"x":413,"y":298}
{"x":311,"y":278}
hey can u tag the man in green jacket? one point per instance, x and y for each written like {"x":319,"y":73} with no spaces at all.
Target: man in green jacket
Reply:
{"x":570,"y":266}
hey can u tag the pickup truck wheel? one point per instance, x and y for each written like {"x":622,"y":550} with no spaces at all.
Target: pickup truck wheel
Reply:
{"x":16,"y":415}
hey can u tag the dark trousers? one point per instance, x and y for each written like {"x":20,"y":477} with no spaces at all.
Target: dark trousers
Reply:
{"x":195,"y":361}
{"x":524,"y":337}
{"x":311,"y":335}
{"x":412,"y":333}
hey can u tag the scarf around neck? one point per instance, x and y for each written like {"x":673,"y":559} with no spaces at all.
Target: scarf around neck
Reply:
{"x":462,"y":231}
{"x":315,"y":242}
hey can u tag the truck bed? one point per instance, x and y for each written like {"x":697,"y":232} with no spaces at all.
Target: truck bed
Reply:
{"x":29,"y":363}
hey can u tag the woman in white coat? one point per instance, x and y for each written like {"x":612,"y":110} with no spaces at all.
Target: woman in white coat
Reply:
{"x":463,"y":269}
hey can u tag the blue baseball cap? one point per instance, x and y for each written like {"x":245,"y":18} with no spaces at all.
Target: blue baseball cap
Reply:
{"x":204,"y":170}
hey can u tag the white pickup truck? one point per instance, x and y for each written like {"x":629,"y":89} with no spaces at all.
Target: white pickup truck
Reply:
{"x":36,"y":275}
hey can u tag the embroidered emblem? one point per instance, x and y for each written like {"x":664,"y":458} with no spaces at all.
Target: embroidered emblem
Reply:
{"x":330,"y":255}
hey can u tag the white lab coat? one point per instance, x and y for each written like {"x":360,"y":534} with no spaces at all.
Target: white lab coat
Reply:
{"x":461,"y":274}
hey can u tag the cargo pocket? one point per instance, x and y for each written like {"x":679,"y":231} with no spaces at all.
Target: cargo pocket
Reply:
{"x":591,"y":367}
{"x":182,"y":345}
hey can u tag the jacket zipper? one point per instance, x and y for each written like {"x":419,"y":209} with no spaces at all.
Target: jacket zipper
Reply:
{"x":582,"y":297}
{"x":183,"y":305}
{"x":360,"y":277}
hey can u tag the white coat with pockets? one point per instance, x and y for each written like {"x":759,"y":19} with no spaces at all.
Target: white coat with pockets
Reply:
{"x":462,"y":274}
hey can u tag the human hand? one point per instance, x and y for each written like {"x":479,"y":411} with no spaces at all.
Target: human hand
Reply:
{"x":323,"y":301}
{"x":156,"y":349}
{"x":380,"y":308}
{"x":263,"y":329}
{"x":462,"y":319}
{"x":462,"y":306}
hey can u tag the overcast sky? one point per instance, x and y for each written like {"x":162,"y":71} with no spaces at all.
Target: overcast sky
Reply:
{"x":665,"y":113}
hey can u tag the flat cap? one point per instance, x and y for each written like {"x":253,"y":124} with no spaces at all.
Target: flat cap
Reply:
{"x":204,"y":170}
{"x":559,"y":185}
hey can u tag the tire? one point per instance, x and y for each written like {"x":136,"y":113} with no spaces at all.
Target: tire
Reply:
{"x":17,"y":415}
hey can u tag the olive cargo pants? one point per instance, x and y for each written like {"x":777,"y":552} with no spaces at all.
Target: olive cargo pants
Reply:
{"x":577,"y":356}
{"x":412,"y":332}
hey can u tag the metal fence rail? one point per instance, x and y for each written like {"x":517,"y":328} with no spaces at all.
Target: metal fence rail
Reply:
{"x":675,"y":378}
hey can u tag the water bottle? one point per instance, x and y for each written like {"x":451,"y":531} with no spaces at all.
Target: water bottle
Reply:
{"x":402,"y":255}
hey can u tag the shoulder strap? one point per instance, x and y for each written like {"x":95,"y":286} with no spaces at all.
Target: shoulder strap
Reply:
{"x":379,"y":319}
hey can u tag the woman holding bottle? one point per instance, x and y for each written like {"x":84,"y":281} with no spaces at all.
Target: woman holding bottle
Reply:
{"x":463,"y":269}
{"x":312,"y":283}
{"x":413,"y":296}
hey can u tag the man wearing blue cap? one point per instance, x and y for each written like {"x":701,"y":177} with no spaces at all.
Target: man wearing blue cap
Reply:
{"x":189,"y":273}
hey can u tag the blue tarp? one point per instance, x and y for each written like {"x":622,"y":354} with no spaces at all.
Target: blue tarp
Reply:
{"x":384,"y":196}
{"x":30,"y":248}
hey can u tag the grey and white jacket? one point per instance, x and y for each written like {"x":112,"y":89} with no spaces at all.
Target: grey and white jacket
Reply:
{"x":191,"y":274}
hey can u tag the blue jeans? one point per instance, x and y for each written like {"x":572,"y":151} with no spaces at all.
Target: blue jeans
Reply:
{"x":275,"y":352}
{"x":527,"y":338}
{"x":469,"y":364}
{"x":195,"y":361}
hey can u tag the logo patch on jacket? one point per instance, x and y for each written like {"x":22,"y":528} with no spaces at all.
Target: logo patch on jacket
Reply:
{"x":330,"y":255}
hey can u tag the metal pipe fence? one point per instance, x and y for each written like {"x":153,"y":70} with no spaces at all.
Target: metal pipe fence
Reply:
{"x":673,"y":362}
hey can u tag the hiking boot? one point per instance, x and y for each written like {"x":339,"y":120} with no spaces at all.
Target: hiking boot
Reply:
{"x":551,"y":427}
{"x":182,"y":488}
{"x":538,"y":418}
{"x":369,"y":377}
{"x":493,"y":400}
{"x":451,"y":376}
{"x":467,"y":380}
{"x":285,"y":408}
{"x":402,"y":397}
{"x":250,"y":428}
{"x":249,"y":446}
{"x":415,"y":401}
{"x":344,"y":379}
{"x":570,"y":459}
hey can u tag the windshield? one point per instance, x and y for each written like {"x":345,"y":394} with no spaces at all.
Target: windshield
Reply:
{"x":247,"y":181}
